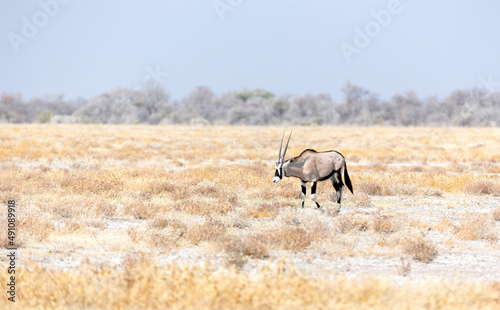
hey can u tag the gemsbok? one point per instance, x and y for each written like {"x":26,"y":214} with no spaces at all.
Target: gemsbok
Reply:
{"x":312,"y":166}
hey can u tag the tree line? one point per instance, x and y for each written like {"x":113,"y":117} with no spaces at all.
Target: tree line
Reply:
{"x":151,"y":104}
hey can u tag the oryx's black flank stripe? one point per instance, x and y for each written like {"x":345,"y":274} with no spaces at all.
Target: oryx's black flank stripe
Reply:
{"x":328,"y":176}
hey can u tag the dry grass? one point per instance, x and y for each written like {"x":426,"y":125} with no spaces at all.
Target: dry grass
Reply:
{"x":141,"y":283}
{"x":265,"y":210}
{"x":210,"y":230}
{"x":384,"y":223}
{"x":210,"y":188}
{"x":496,"y":213}
{"x":483,"y":187}
{"x":238,"y":248}
{"x":348,"y":223}
{"x":475,"y":226}
{"x":419,"y":248}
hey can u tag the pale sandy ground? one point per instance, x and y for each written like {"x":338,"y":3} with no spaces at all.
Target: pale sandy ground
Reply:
{"x":458,"y":260}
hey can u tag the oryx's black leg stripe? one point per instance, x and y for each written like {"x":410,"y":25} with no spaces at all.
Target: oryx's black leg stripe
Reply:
{"x":303,"y":185}
{"x":337,"y":186}
{"x":313,"y":194}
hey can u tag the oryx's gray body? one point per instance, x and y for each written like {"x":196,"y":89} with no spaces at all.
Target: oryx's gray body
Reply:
{"x":312,"y":166}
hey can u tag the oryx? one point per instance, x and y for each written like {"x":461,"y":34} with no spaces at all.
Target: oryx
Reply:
{"x":312,"y":166}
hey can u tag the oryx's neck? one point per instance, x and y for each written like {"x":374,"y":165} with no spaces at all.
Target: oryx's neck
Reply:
{"x":292,"y":169}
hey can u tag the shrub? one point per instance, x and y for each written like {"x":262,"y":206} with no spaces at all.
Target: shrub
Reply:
{"x":482,"y":187}
{"x":346,"y":223}
{"x":264,"y":210}
{"x":203,"y":232}
{"x":476,"y":226}
{"x":33,"y":230}
{"x":238,"y":248}
{"x":141,"y":210}
{"x":370,"y":188}
{"x":164,"y":238}
{"x":290,"y":239}
{"x":383,"y":223}
{"x":361,"y":200}
{"x":419,"y":248}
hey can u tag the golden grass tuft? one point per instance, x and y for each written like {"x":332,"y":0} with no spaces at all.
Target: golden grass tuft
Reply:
{"x":290,"y":239}
{"x":483,"y":187}
{"x":419,"y":248}
{"x":384,"y":223}
{"x":238,"y":248}
{"x":370,"y":188}
{"x":141,"y":283}
{"x":349,"y":223}
{"x":203,"y":206}
{"x":210,"y":230}
{"x":33,"y":230}
{"x":141,"y":210}
{"x":265,"y":210}
{"x":474,"y":226}
{"x":163,"y":238}
{"x":164,"y":222}
{"x":361,"y":200}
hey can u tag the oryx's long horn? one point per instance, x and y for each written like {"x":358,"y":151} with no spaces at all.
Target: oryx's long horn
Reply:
{"x":284,"y":152}
{"x":281,"y":145}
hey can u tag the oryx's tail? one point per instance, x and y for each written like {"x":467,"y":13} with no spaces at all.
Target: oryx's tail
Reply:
{"x":346,"y":179}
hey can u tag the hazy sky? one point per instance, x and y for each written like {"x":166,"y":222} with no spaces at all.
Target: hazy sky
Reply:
{"x":84,"y":48}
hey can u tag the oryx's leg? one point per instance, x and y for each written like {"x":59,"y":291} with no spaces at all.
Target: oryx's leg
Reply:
{"x":339,"y":187}
{"x":313,"y":194}
{"x":303,"y":185}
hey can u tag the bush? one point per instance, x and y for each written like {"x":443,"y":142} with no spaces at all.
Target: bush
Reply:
{"x":482,"y":187}
{"x":419,"y":248}
{"x":476,"y":227}
{"x":210,"y":230}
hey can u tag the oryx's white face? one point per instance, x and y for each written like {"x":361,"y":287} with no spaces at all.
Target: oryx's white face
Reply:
{"x":278,"y":174}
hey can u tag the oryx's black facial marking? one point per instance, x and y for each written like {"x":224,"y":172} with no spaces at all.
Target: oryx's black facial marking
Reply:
{"x":278,"y":173}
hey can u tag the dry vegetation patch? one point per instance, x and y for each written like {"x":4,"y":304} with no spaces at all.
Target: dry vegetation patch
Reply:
{"x":419,"y":248}
{"x":141,"y":283}
{"x":210,"y":189}
{"x":483,"y":187}
{"x":238,"y":249}
{"x":474,"y":226}
{"x":210,"y":230}
{"x":351,"y":223}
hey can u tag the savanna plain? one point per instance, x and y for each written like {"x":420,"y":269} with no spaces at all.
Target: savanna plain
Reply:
{"x":180,"y":217}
